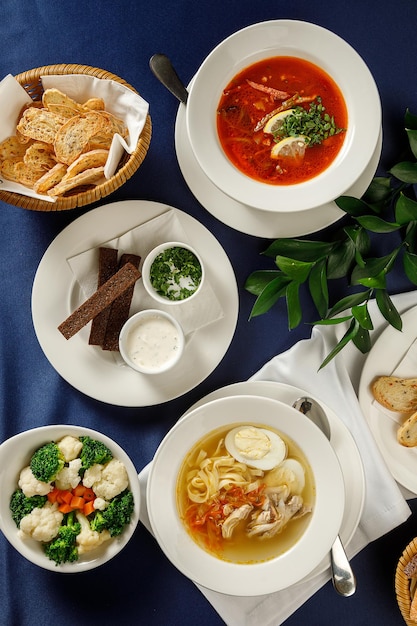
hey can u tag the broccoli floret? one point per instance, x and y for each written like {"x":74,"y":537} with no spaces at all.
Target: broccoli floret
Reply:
{"x":20,"y":505}
{"x":93,"y":452}
{"x":115,"y":516}
{"x":47,"y":462}
{"x":63,"y":547}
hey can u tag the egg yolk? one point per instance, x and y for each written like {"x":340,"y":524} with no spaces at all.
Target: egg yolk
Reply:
{"x":252,"y":443}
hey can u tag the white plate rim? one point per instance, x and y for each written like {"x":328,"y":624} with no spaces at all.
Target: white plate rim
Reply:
{"x":253,"y":221}
{"x":231,"y":578}
{"x":385,"y":355}
{"x":96,"y":375}
{"x":316,"y":44}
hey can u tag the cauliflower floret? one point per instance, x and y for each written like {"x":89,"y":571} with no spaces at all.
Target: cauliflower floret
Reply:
{"x":70,"y":447}
{"x":42,"y":524}
{"x":92,"y":475}
{"x":68,"y":477}
{"x":89,"y":539}
{"x":31,"y":486}
{"x":113,"y":480}
{"x":100,"y":504}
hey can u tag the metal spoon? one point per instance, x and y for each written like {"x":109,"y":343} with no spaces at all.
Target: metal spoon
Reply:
{"x":162,"y":67}
{"x":344,"y":580}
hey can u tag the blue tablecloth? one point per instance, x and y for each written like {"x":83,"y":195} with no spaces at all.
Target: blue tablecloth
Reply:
{"x":140,"y":586}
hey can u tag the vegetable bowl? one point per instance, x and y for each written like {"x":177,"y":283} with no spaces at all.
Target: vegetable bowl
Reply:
{"x":70,"y":497}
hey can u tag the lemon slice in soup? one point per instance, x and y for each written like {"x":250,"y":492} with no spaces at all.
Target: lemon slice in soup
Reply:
{"x":274,"y":124}
{"x":290,"y":147}
{"x":256,"y":447}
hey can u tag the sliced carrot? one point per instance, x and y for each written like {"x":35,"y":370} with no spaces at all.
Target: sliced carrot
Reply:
{"x":65,"y":508}
{"x":89,"y":494}
{"x":66,"y":496}
{"x":79,"y":490}
{"x":88,"y":508}
{"x":53,"y":495}
{"x":77,"y":502}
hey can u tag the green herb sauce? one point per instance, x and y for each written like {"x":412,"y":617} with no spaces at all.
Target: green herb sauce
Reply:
{"x":175,"y":273}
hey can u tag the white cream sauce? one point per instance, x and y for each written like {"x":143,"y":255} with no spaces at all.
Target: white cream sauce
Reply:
{"x":153,"y":342}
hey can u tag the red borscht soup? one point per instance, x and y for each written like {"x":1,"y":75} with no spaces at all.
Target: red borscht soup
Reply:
{"x":282,"y":120}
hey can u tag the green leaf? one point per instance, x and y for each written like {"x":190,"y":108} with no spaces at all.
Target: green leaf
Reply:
{"x":410,"y":266}
{"x":296,"y":270}
{"x":405,"y":171}
{"x":269,"y":296}
{"x":378,"y":192}
{"x":412,"y":140}
{"x":348,"y":336}
{"x":410,"y":238}
{"x":257,"y":281}
{"x":405,"y":209}
{"x":388,"y":309}
{"x":293,"y":304}
{"x":361,"y":313}
{"x":318,"y":287}
{"x":374,"y":272}
{"x":333,"y":321}
{"x":300,"y":249}
{"x":410,"y":120}
{"x":362,"y":340}
{"x":349,"y":301}
{"x":341,"y":259}
{"x":377,"y":225}
{"x":352,"y":206}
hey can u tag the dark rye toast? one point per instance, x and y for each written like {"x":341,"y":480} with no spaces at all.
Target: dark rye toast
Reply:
{"x":107,"y":267}
{"x":103,"y":297}
{"x":119,"y":310}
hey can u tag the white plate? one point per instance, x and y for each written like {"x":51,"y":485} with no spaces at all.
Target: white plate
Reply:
{"x":88,"y":368}
{"x":285,"y":38}
{"x":252,"y":221}
{"x":383,"y":359}
{"x":261,"y":577}
{"x":342,"y":442}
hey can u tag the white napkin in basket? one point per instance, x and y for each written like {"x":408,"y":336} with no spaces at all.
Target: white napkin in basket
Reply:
{"x":119,"y":100}
{"x":203,"y":309}
{"x":337,"y":385}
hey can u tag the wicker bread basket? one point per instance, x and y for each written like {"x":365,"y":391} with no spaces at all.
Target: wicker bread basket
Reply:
{"x":128,"y":165}
{"x":402,"y":583}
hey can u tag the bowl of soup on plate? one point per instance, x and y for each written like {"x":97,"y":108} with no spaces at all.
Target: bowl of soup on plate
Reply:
{"x":276,"y":116}
{"x":245,"y":495}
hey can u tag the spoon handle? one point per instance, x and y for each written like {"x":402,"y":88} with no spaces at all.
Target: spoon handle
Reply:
{"x":163,"y":69}
{"x":344,"y":580}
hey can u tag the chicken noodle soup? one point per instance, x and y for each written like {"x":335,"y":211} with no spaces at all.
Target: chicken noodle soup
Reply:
{"x":281,"y":121}
{"x":245,"y":493}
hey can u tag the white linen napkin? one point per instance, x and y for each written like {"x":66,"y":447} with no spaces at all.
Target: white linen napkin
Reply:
{"x":119,"y":100}
{"x":337,"y":385}
{"x":203,"y":309}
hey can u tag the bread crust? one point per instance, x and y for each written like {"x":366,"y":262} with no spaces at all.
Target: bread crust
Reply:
{"x":407,"y":433}
{"x":395,"y":393}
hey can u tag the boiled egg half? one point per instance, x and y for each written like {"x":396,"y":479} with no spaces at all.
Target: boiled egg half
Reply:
{"x":256,"y":447}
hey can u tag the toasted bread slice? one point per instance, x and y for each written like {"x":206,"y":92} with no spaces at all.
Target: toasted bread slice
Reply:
{"x":396,"y":394}
{"x":407,"y":433}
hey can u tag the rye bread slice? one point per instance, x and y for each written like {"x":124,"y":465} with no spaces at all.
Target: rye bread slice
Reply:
{"x":107,"y":267}
{"x":105,"y":295}
{"x":119,"y":310}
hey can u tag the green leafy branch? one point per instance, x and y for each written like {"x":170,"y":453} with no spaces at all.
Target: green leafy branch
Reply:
{"x":389,"y":205}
